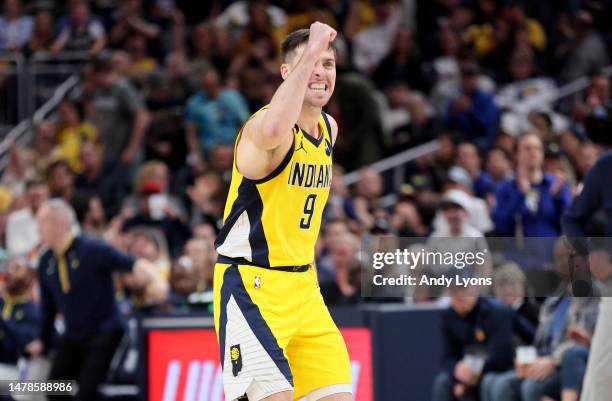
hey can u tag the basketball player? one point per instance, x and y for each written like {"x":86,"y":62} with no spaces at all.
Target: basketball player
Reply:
{"x":277,"y":339}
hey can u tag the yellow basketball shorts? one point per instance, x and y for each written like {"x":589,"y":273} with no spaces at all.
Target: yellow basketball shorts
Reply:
{"x":275,"y":334}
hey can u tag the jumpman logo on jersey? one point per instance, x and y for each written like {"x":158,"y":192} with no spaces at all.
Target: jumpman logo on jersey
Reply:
{"x":301,"y":147}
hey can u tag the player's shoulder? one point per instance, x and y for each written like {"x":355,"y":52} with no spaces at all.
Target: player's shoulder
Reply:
{"x":333,"y":125}
{"x":256,"y":116}
{"x":332,"y":120}
{"x":252,"y":125}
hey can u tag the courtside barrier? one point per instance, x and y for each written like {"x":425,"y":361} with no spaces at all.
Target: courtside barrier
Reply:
{"x":395,"y":352}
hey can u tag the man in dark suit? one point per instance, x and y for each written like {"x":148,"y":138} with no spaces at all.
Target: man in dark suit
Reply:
{"x":75,"y":275}
{"x":477,"y":335}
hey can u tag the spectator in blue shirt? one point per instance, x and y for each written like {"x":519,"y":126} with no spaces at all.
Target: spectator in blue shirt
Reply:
{"x":469,"y":158}
{"x":531,"y":205}
{"x":498,"y":166}
{"x":213,"y":116}
{"x":473,"y":113}
{"x":20,"y":319}
{"x":534,"y":199}
{"x":76,"y":280}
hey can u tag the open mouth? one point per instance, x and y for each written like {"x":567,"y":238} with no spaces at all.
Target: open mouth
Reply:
{"x":318,"y":87}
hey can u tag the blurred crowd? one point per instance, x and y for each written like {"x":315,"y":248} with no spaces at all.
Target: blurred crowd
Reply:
{"x":142,"y":148}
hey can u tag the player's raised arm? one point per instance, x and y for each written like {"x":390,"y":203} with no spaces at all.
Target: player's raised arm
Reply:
{"x":275,"y":124}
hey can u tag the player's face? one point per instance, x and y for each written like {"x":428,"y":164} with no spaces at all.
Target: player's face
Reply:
{"x":322,"y":80}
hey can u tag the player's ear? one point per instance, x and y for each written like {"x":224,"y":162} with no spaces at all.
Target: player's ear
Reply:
{"x":284,"y":70}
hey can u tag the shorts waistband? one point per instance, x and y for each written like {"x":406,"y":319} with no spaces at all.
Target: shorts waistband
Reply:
{"x":242,"y":261}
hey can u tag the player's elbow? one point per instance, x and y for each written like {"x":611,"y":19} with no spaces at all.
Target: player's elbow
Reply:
{"x":268,"y":142}
{"x":271,"y":129}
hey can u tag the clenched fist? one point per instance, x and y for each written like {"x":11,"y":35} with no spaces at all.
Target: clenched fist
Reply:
{"x":321,"y":35}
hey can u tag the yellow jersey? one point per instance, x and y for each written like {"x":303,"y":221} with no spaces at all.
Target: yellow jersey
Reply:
{"x":275,"y":221}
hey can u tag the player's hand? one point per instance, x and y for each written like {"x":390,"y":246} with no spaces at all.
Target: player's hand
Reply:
{"x":321,"y":35}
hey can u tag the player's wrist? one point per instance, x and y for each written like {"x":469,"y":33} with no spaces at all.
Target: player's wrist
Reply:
{"x":310,"y":56}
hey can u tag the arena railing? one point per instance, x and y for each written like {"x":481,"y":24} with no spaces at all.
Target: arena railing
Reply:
{"x":47,"y":70}
{"x":577,"y":85}
{"x":26,"y":82}
{"x":555,"y":97}
{"x":397,"y":164}
{"x":30,"y":90}
{"x":24,"y":131}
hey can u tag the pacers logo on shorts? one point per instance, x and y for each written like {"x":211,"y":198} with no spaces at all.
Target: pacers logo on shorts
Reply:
{"x":236,"y":358}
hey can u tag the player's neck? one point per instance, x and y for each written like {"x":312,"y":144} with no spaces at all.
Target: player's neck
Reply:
{"x":309,"y":120}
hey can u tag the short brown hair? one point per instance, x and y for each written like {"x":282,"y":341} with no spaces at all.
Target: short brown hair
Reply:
{"x":294,"y":40}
